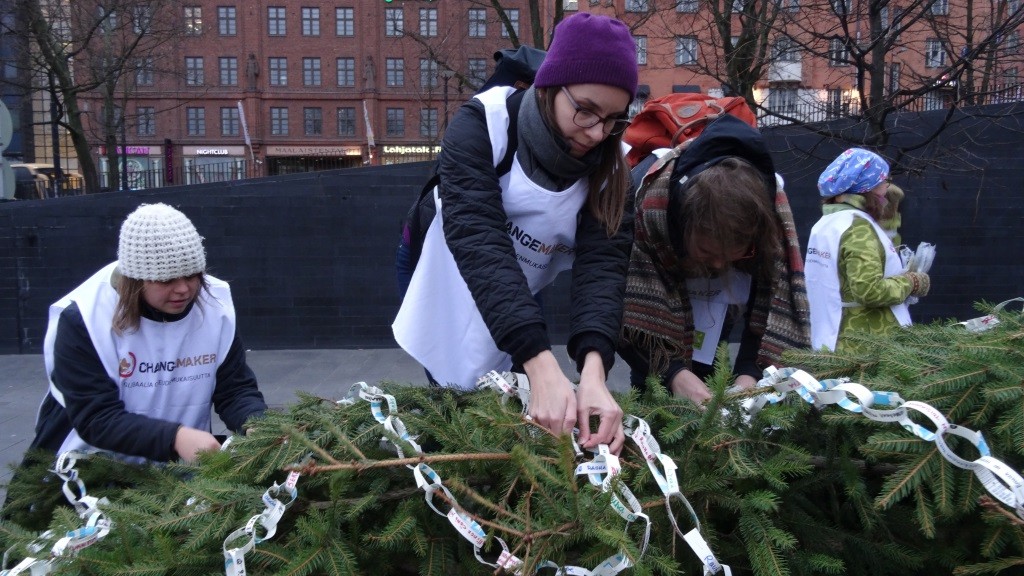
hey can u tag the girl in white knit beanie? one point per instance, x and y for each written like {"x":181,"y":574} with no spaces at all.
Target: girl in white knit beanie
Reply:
{"x":139,"y":353}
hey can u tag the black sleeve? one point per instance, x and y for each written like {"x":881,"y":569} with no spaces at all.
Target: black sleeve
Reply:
{"x":599,"y":286}
{"x":92,"y":400}
{"x":474,"y":227}
{"x":236,"y":397}
{"x":750,"y":342}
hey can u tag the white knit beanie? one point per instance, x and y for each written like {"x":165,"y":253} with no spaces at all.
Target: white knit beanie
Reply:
{"x":159,"y":243}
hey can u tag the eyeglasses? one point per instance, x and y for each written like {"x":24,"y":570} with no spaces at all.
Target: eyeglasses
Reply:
{"x":585,"y":118}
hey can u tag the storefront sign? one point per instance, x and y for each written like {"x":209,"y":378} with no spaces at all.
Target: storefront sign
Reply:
{"x":412,"y":149}
{"x":314,"y":151}
{"x":134,"y":150}
{"x":213,"y":151}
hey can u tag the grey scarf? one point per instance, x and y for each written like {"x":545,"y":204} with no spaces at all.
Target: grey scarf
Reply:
{"x":543,"y":154}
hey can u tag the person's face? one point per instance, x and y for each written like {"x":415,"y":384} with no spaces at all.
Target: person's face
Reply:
{"x":879,"y":193}
{"x":706,"y":255}
{"x":172,"y":296}
{"x":581,"y":104}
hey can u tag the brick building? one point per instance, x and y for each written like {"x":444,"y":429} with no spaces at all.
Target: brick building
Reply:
{"x":282,"y":86}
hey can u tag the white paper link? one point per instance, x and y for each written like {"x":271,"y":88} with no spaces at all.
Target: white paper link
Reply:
{"x":95,"y":525}
{"x":601,"y":472}
{"x":273,"y":510}
{"x":1005,"y":484}
{"x":427,"y":479}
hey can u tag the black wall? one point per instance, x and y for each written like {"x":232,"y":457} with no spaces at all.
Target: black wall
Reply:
{"x":310,"y":257}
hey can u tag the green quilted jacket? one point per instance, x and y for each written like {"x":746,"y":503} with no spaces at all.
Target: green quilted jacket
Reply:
{"x":861,"y":271}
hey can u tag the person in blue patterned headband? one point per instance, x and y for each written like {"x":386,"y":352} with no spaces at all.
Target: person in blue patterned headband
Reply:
{"x":855,"y":171}
{"x":856,"y":281}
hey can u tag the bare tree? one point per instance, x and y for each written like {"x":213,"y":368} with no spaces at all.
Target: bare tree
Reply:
{"x":95,"y":46}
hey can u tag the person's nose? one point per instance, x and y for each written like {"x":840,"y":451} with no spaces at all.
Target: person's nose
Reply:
{"x":596,"y":132}
{"x":180,"y":286}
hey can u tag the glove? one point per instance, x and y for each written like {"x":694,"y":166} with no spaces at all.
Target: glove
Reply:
{"x":920,"y":283}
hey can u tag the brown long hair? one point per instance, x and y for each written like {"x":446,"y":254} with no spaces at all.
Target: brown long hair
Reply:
{"x":608,"y":186}
{"x":128,"y":311}
{"x":729,"y":204}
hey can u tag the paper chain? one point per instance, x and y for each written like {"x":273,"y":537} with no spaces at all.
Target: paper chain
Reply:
{"x":512,"y":385}
{"x":95,"y":527}
{"x":999,"y":479}
{"x":234,"y":557}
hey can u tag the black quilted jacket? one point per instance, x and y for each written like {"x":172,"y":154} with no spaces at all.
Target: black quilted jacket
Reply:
{"x":474,"y":226}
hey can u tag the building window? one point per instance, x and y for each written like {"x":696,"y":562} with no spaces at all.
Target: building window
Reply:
{"x":394,"y":22}
{"x":477,"y":71}
{"x":394,"y":69}
{"x":834,"y":105}
{"x":837,"y":52}
{"x":278,"y":71}
{"x":145,"y":121}
{"x":1011,"y":45}
{"x":311,"y":71}
{"x":310,"y":21}
{"x":194,"y":71}
{"x":513,"y":19}
{"x":313,"y":121}
{"x":841,"y":7}
{"x":940,"y":7}
{"x":229,"y":121}
{"x":193,"y":20}
{"x":686,"y":50}
{"x":686,"y":5}
{"x":428,"y":73}
{"x":345,"y":21}
{"x":195,"y":121}
{"x":934,"y":55}
{"x":227,"y":21}
{"x":276,"y":21}
{"x":142,"y":18}
{"x":346,"y":121}
{"x":228,"y":71}
{"x":571,"y":5}
{"x":346,"y":71}
{"x":637,"y":6}
{"x":428,"y":122}
{"x":278,"y":121}
{"x":428,"y":22}
{"x":894,"y":78}
{"x":641,"y":49}
{"x":477,"y":23}
{"x":883,"y":15}
{"x":782,"y":100}
{"x":789,"y":5}
{"x":144,"y":72}
{"x":786,"y":50}
{"x":395,"y":118}
{"x":933,"y":101}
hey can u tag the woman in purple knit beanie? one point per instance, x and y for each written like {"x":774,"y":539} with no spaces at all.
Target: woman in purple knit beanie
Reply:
{"x":502,"y":233}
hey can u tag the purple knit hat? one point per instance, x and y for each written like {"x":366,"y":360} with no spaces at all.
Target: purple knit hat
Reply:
{"x":590,"y":49}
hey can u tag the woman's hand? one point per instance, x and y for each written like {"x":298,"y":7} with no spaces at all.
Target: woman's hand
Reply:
{"x":594,"y":399}
{"x":552,"y":401}
{"x":745,"y":382}
{"x":686,"y":384}
{"x":189,"y":442}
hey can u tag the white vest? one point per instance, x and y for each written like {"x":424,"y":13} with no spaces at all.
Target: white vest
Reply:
{"x":165,"y":370}
{"x":822,"y":273}
{"x":710,"y":299}
{"x":439,"y":324}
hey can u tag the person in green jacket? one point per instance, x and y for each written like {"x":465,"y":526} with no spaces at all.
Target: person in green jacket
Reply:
{"x":855,"y":278}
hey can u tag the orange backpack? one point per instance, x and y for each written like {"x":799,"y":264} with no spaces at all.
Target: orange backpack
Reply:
{"x":671,"y":120}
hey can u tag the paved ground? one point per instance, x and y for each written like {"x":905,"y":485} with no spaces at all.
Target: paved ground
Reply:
{"x":281,"y":373}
